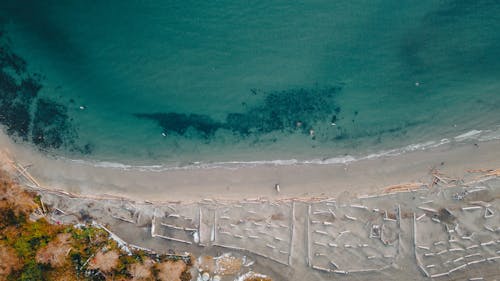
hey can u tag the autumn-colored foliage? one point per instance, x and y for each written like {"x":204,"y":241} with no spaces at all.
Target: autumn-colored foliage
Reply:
{"x":171,"y":270}
{"x":9,"y":261}
{"x":37,"y":250}
{"x":141,"y":271}
{"x":105,"y":262}
{"x":56,"y":251}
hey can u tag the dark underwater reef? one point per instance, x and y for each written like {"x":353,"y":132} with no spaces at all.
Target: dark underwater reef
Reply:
{"x":26,"y":115}
{"x":284,"y":111}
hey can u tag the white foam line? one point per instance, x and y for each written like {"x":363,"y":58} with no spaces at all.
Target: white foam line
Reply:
{"x":468,"y":135}
{"x":480,"y":135}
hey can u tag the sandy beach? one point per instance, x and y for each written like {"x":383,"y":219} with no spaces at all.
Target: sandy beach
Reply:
{"x":306,"y":180}
{"x":327,"y":221}
{"x":316,"y":141}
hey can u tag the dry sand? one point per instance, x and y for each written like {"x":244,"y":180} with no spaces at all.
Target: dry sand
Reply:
{"x":359,"y":177}
{"x":296,"y":239}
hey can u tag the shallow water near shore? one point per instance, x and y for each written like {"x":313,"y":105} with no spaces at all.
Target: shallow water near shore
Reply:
{"x":152,"y":83}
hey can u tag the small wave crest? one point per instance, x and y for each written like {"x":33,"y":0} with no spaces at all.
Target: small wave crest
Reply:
{"x":477,"y":135}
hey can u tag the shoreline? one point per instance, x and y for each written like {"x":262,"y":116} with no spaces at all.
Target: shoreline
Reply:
{"x":364,"y":176}
{"x":292,"y":228}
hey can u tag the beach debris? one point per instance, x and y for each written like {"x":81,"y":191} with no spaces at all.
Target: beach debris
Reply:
{"x":489,"y":228}
{"x":428,"y":209}
{"x":471,"y":208}
{"x":277,"y":187}
{"x":350,"y":217}
{"x":488,"y":213}
{"x":435,"y":220}
{"x":359,"y":206}
{"x":172,"y":239}
{"x":404,"y":187}
{"x":387,"y":218}
{"x":486,"y":173}
{"x":227,"y":264}
{"x":445,"y":215}
{"x":332,"y":212}
{"x":122,"y":244}
{"x":319,"y":243}
{"x":254,"y":223}
{"x":420,"y":217}
{"x":253,"y":276}
{"x":375,"y":231}
{"x":271,"y":246}
{"x":321,"y":232}
{"x":439,"y":243}
{"x":205,"y":276}
{"x":343,"y":233}
{"x":489,"y":243}
{"x":459,"y":196}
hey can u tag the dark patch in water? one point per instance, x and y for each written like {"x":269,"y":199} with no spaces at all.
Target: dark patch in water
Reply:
{"x":458,"y":36}
{"x":280,"y":111}
{"x":180,"y":123}
{"x":15,"y":97}
{"x":51,"y":128}
{"x":27,"y":116}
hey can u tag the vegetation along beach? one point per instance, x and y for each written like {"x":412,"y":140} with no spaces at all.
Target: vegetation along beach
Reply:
{"x":246,"y":141}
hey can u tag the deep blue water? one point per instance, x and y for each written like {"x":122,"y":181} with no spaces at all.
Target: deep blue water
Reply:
{"x":163,"y":82}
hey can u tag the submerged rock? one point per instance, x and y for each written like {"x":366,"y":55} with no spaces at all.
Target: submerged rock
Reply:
{"x":280,"y":111}
{"x":25,"y":114}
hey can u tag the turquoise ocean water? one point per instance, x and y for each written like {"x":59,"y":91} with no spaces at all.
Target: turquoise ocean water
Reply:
{"x":164,"y":82}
